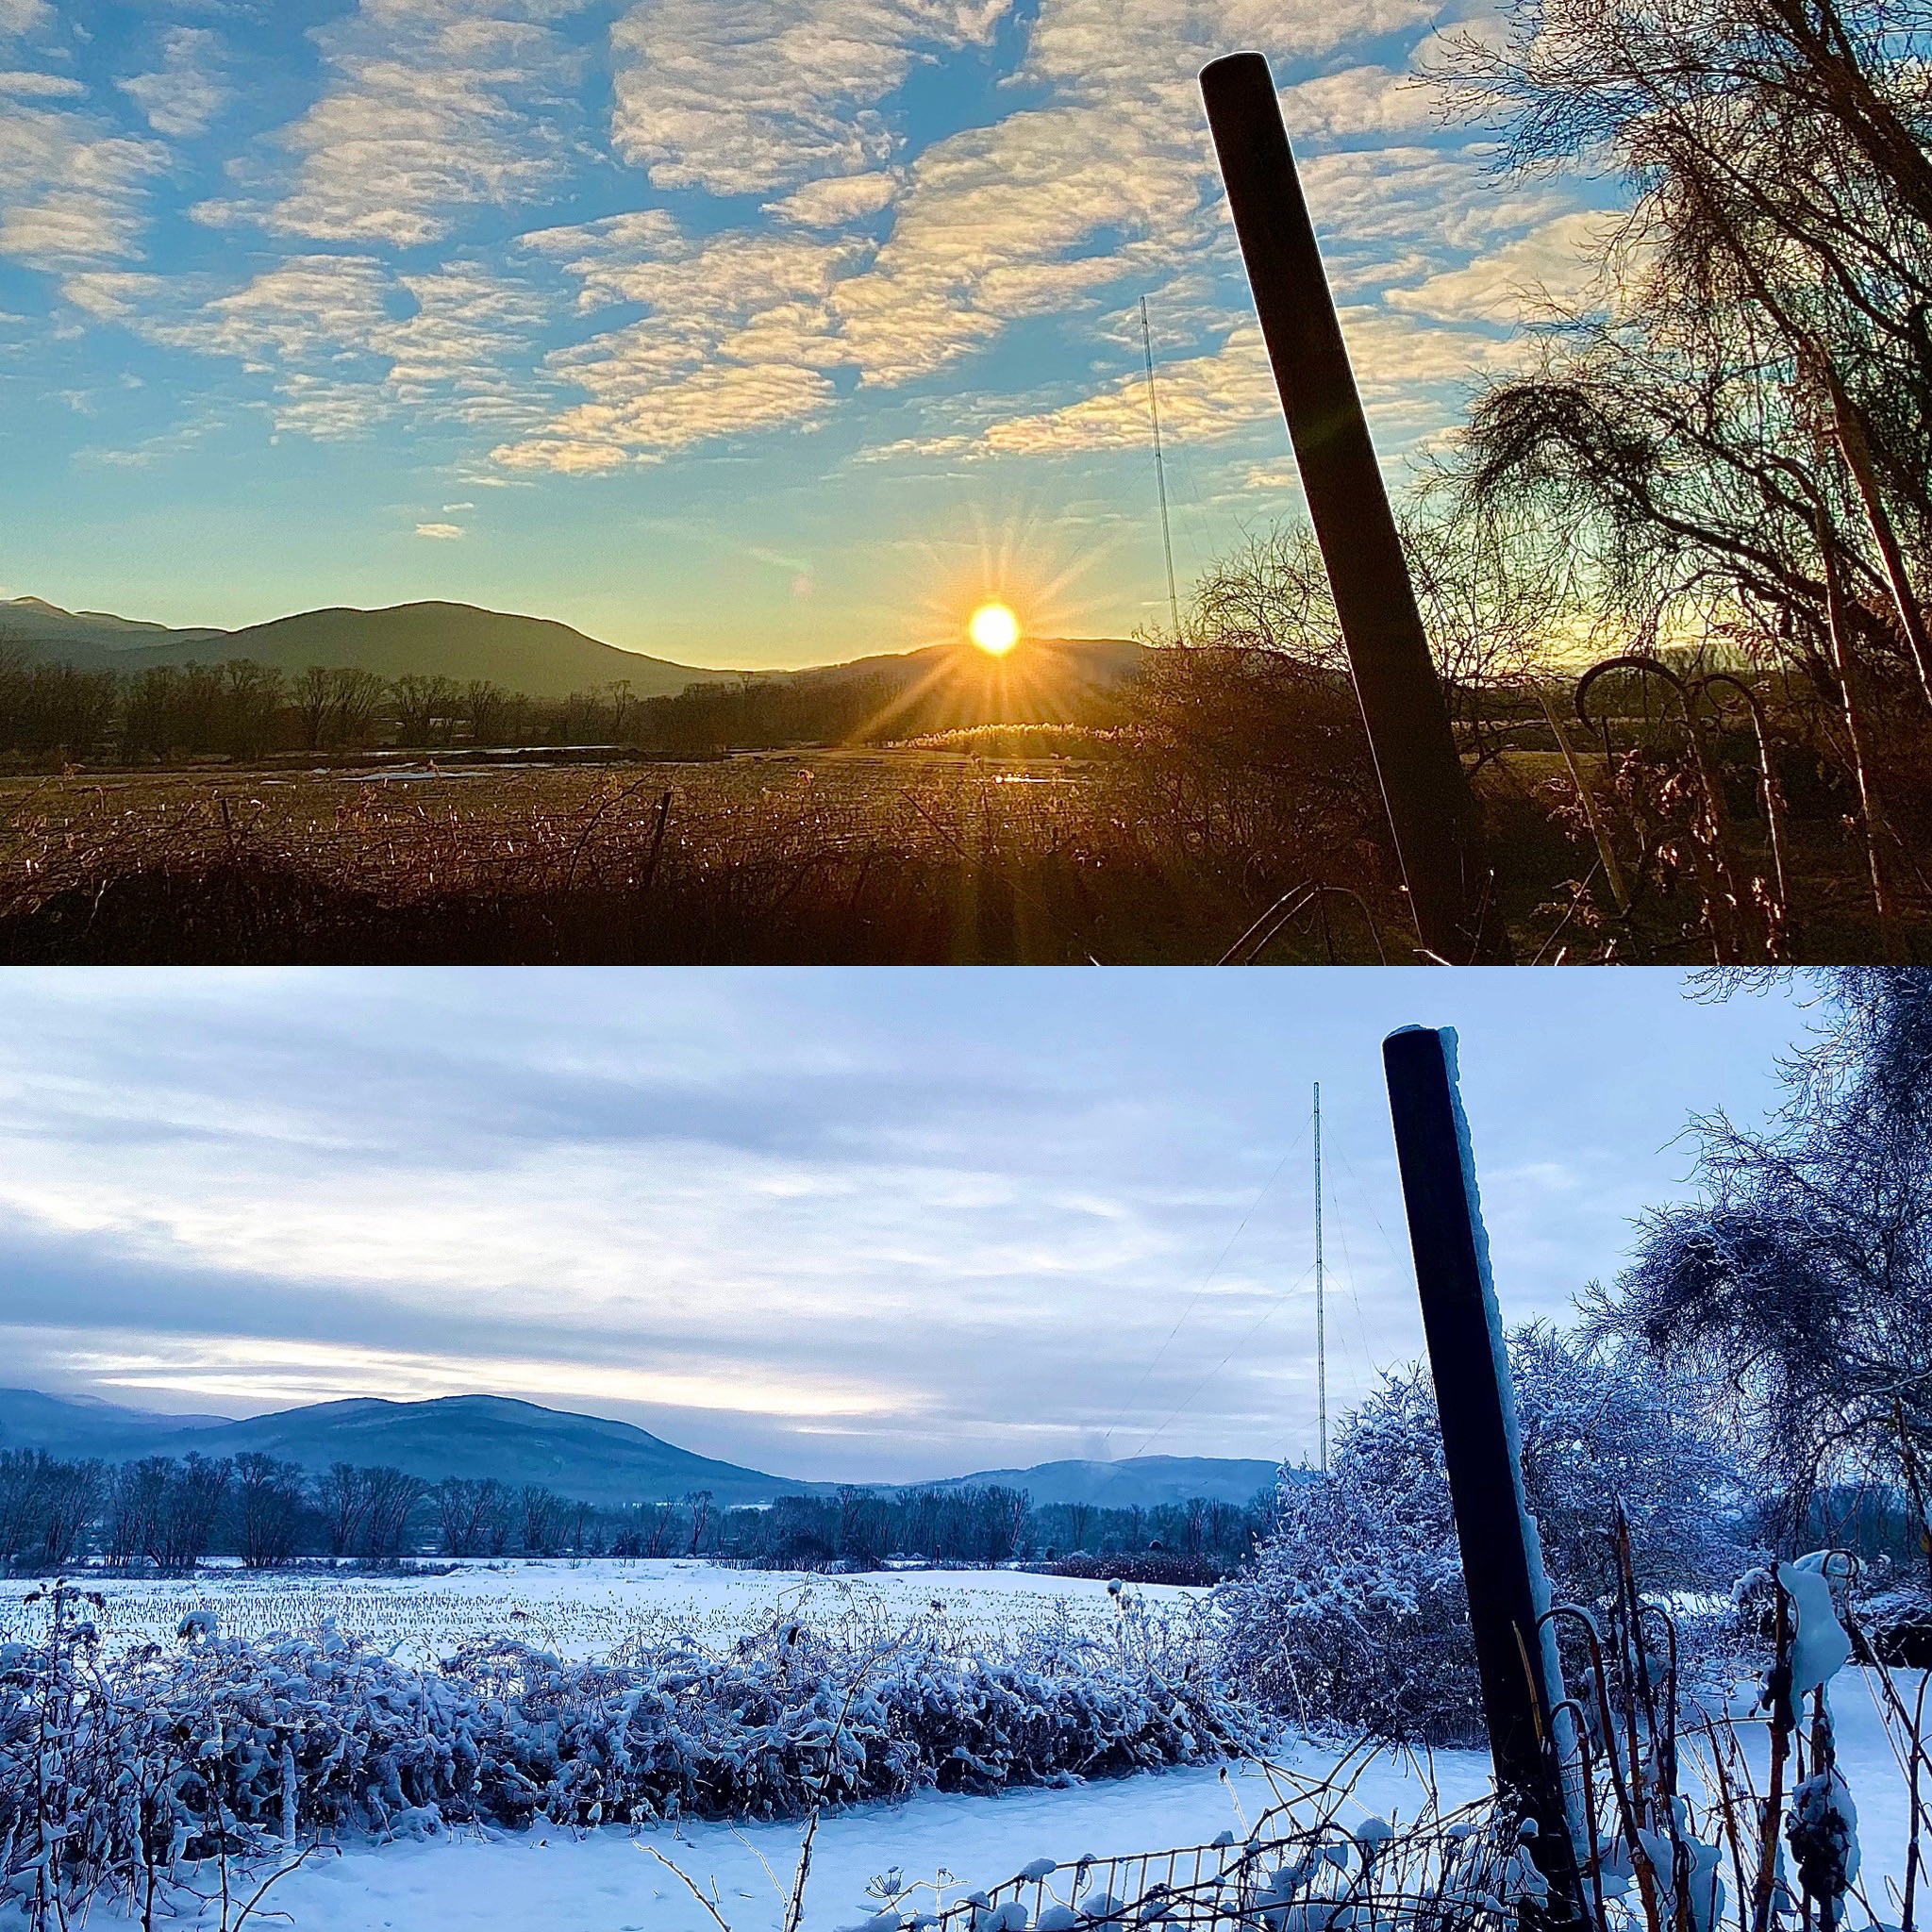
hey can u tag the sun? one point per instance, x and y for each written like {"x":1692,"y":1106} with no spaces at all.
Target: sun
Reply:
{"x":995,"y":629}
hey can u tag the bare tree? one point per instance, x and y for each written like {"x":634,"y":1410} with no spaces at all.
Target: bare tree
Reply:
{"x":699,"y":1502}
{"x":269,"y":1503}
{"x":389,"y":1499}
{"x":343,"y":1501}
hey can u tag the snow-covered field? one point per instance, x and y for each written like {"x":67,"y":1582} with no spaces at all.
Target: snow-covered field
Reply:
{"x":611,"y":1881}
{"x":595,"y":1611}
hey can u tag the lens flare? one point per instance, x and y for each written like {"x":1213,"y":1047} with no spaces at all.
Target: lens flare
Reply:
{"x":995,"y":629}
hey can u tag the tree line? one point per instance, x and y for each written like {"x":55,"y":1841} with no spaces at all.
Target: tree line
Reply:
{"x":241,"y":709}
{"x":169,"y":1513}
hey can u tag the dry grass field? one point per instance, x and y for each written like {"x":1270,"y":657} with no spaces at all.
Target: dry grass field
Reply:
{"x":893,"y":855}
{"x":1045,"y":846}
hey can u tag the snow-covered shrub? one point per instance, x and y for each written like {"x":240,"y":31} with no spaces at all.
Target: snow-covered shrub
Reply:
{"x":1353,"y":1612}
{"x":107,"y":1767}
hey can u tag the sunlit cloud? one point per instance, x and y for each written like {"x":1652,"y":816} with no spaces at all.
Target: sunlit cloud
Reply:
{"x":186,"y":92}
{"x":431,"y":108}
{"x":72,"y":192}
{"x":267,"y":1374}
{"x":1555,"y":264}
{"x":748,"y":95}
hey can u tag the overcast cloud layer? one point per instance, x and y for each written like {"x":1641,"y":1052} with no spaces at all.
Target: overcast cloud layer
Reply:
{"x":720,"y":328}
{"x":837,"y":1224}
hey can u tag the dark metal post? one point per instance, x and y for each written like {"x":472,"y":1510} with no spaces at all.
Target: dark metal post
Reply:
{"x":1502,"y":1557}
{"x":1431,"y":808}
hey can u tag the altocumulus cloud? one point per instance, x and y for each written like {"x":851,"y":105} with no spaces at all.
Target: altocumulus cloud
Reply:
{"x":573,"y":236}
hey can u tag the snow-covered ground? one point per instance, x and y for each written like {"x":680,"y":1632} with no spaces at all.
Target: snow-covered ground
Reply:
{"x":593,"y":1610}
{"x":610,"y":1881}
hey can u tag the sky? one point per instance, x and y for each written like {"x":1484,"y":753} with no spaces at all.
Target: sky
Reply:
{"x":743,"y":332}
{"x":856,"y":1226}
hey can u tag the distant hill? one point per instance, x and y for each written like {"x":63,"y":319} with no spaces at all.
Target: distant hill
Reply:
{"x":584,"y":1456}
{"x":532,"y":655}
{"x":1136,"y":1481}
{"x":85,"y":1425}
{"x":90,"y":639}
{"x":943,"y":687}
{"x":940,"y":689}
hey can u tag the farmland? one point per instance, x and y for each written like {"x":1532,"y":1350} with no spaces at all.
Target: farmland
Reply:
{"x":893,"y":855}
{"x":598,"y":1610}
{"x":942,"y":1844}
{"x":1023,"y":846}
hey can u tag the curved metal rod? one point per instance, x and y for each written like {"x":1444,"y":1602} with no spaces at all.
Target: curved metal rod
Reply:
{"x":1639,"y":1858}
{"x":1723,"y":937}
{"x":1663,"y":1617}
{"x":1268,"y":928}
{"x":1301,"y":894}
{"x":1774,"y":797}
{"x":1579,"y":1718}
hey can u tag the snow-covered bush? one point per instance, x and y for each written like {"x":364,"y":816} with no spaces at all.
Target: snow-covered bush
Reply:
{"x":1353,"y":1612}
{"x":112,"y":1768}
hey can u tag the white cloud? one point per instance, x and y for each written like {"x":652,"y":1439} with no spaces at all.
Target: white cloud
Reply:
{"x":743,"y":96}
{"x":25,"y":16}
{"x":738,"y":338}
{"x":441,"y":533}
{"x":184,"y":93}
{"x":71,"y":194}
{"x":430,"y":107}
{"x":1558,"y":263}
{"x":837,"y":201}
{"x":329,"y":331}
{"x":1210,"y":397}
{"x":43,"y":87}
{"x":1356,"y":101}
{"x":1112,"y":49}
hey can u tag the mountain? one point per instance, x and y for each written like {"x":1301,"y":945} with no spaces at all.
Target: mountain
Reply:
{"x":532,"y":655}
{"x":1136,"y":1481}
{"x":939,"y":688}
{"x":581,"y":1456}
{"x":90,"y":639}
{"x":86,"y":1425}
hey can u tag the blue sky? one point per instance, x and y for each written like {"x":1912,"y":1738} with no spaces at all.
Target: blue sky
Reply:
{"x":740,"y":331}
{"x":877,"y":1226}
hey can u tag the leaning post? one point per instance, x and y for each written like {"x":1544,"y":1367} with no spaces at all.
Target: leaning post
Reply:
{"x":1431,"y":808}
{"x":1502,"y":1555}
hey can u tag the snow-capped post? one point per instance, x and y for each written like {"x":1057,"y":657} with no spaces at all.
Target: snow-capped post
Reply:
{"x":1426,"y":791}
{"x":1502,"y":1555}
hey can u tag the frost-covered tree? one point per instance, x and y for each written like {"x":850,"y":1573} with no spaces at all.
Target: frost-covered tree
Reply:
{"x":1801,"y":1276}
{"x":1354,"y":1613}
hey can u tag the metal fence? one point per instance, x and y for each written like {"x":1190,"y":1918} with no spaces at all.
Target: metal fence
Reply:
{"x":1299,"y":1869}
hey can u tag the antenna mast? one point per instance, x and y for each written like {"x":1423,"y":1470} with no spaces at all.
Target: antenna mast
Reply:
{"x":1174,"y":602}
{"x":1320,"y":1330}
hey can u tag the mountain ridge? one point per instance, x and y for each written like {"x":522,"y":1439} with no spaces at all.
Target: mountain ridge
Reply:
{"x":431,"y":638}
{"x":539,"y":657}
{"x":595,"y":1459}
